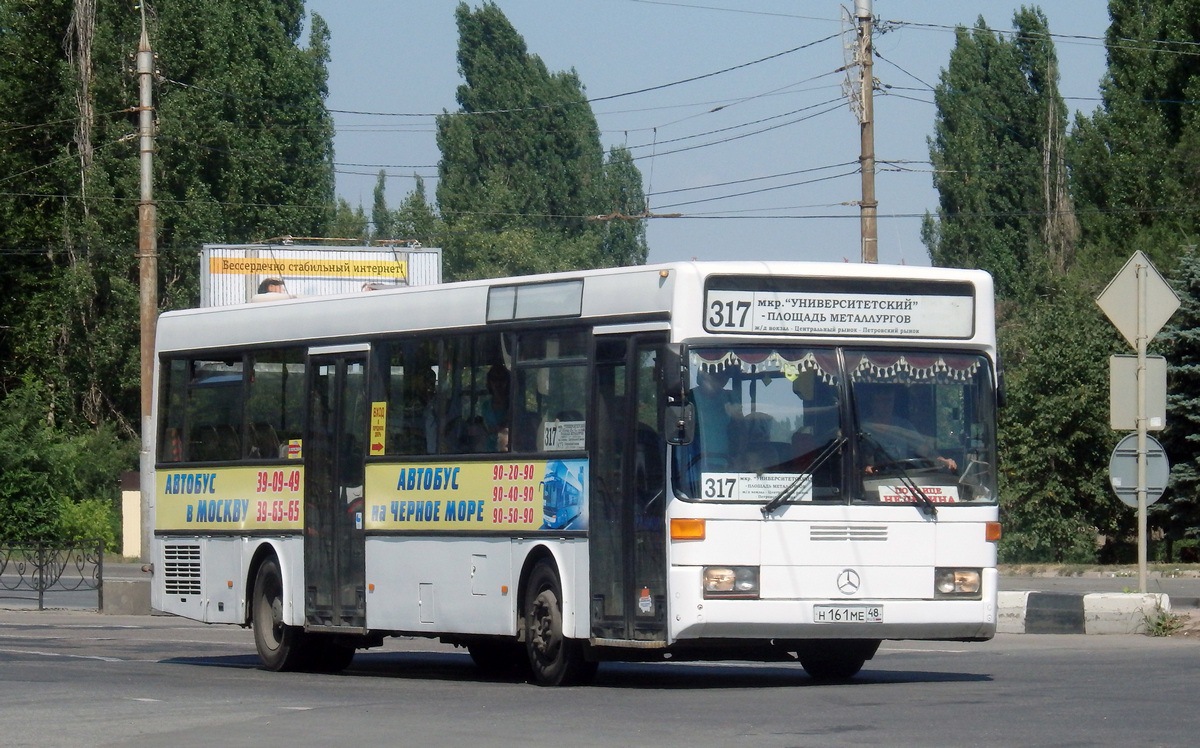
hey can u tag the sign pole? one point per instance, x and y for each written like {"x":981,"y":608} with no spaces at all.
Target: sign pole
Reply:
{"x":1153,"y":304}
{"x":1141,"y":425}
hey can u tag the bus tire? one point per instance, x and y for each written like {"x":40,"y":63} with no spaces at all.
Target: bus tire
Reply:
{"x":836,"y":660}
{"x":280,"y":647}
{"x":496,"y":658}
{"x":832,"y":668}
{"x":327,"y":654}
{"x":554,"y":659}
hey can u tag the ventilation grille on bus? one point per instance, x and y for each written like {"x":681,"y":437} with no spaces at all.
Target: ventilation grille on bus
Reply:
{"x":181,"y":572}
{"x":848,"y":532}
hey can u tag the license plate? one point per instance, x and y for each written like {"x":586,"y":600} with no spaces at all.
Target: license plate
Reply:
{"x":848,"y":613}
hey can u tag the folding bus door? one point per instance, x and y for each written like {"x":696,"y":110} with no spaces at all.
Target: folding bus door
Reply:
{"x":334,"y":450}
{"x":628,"y":506}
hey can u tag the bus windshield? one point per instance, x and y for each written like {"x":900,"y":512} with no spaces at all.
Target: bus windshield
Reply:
{"x":839,"y":425}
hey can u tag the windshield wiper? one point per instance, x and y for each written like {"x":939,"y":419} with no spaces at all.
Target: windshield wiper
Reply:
{"x":795,"y":486}
{"x":919,"y":498}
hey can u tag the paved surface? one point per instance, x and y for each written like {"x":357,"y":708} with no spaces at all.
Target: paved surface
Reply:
{"x":78,"y":678}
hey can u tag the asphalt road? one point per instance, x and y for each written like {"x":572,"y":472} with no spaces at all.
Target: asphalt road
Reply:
{"x":73,"y":678}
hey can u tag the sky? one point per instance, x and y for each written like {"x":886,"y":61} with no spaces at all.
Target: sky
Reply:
{"x":734,"y":111}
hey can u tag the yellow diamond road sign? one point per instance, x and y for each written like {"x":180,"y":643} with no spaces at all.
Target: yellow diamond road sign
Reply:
{"x":1120,"y":299}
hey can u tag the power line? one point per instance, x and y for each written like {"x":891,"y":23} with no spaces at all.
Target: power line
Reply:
{"x":743,"y":135}
{"x":718,"y":72}
{"x":609,"y":97}
{"x":758,"y":191}
{"x":735,"y":127}
{"x":751,"y":179}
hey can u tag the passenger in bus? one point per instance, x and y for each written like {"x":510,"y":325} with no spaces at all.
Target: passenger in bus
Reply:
{"x":271,"y":285}
{"x":717,"y":411}
{"x":496,"y":409}
{"x":421,"y":411}
{"x":891,"y":437}
{"x":174,"y":446}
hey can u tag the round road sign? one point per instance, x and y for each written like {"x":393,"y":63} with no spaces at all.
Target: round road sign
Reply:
{"x":1122,"y":470}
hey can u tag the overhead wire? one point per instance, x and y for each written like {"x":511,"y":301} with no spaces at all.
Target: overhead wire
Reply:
{"x":1152,"y":45}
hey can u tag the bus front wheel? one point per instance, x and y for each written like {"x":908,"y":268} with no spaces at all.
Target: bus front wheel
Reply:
{"x":280,"y":647}
{"x":554,"y":659}
{"x":836,"y":660}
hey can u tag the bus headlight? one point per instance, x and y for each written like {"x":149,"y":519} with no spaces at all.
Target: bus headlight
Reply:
{"x":731,"y":581}
{"x":957,"y":583}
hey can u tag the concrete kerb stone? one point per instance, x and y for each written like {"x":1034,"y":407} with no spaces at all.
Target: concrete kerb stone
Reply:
{"x":1077,"y":613}
{"x":126,"y":597}
{"x":1122,"y":613}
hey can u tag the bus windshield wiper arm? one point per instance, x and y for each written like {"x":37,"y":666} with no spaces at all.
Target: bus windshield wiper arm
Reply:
{"x":919,"y":498}
{"x":794,"y":487}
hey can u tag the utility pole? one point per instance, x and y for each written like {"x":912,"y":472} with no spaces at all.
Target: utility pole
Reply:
{"x":868,"y":205}
{"x":148,"y":272}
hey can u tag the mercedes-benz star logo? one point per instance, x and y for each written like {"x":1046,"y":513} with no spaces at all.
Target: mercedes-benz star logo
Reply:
{"x":848,"y":581}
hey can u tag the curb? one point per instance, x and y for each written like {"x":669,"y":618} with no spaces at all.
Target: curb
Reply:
{"x":124,"y":597}
{"x":1078,"y":612}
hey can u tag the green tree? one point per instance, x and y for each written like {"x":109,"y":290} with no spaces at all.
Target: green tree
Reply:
{"x":1054,"y":433}
{"x":349,"y":223}
{"x":1134,"y":176}
{"x":998,"y":155}
{"x":416,"y":220}
{"x":244,"y":151}
{"x":522,"y":158}
{"x":624,"y":235}
{"x":1179,"y":511}
{"x":1135,"y":180}
{"x":382,"y":218}
{"x":245,"y":140}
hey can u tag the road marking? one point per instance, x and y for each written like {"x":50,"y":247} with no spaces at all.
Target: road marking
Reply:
{"x":40,"y":653}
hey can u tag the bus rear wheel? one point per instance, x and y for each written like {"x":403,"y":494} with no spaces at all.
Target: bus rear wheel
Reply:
{"x":554,"y":659}
{"x":496,"y":658}
{"x":280,"y":647}
{"x":327,"y":654}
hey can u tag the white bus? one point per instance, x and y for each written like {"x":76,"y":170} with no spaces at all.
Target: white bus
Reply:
{"x":727,"y":460}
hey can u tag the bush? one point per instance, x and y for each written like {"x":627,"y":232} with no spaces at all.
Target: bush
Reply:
{"x":1017,"y":547}
{"x":89,"y":520}
{"x":57,"y":484}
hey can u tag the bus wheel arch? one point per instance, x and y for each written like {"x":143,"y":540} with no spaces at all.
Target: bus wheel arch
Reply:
{"x":280,"y":646}
{"x":261,"y":554}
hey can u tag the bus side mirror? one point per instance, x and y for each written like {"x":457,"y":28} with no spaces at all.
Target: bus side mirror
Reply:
{"x":673,"y":375}
{"x":679,"y":424}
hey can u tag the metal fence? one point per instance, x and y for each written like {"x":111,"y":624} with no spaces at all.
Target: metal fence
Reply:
{"x":42,"y":568}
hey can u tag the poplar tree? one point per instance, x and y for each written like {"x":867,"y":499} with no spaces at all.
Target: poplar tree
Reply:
{"x":522,"y":167}
{"x":1135,"y":157}
{"x":998,"y":153}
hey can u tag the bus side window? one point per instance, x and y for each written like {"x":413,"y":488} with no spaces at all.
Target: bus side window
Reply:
{"x":172,"y":445}
{"x":274,"y":404}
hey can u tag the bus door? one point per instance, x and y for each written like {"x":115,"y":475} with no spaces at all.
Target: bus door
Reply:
{"x":628,"y":506}
{"x":334,"y":450}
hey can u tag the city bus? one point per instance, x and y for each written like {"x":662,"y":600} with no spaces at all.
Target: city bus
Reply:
{"x":769,"y":461}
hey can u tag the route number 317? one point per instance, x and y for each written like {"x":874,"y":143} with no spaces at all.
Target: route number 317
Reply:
{"x":727,"y":314}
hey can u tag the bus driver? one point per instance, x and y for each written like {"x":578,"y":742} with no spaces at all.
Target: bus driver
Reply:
{"x":891,"y":437}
